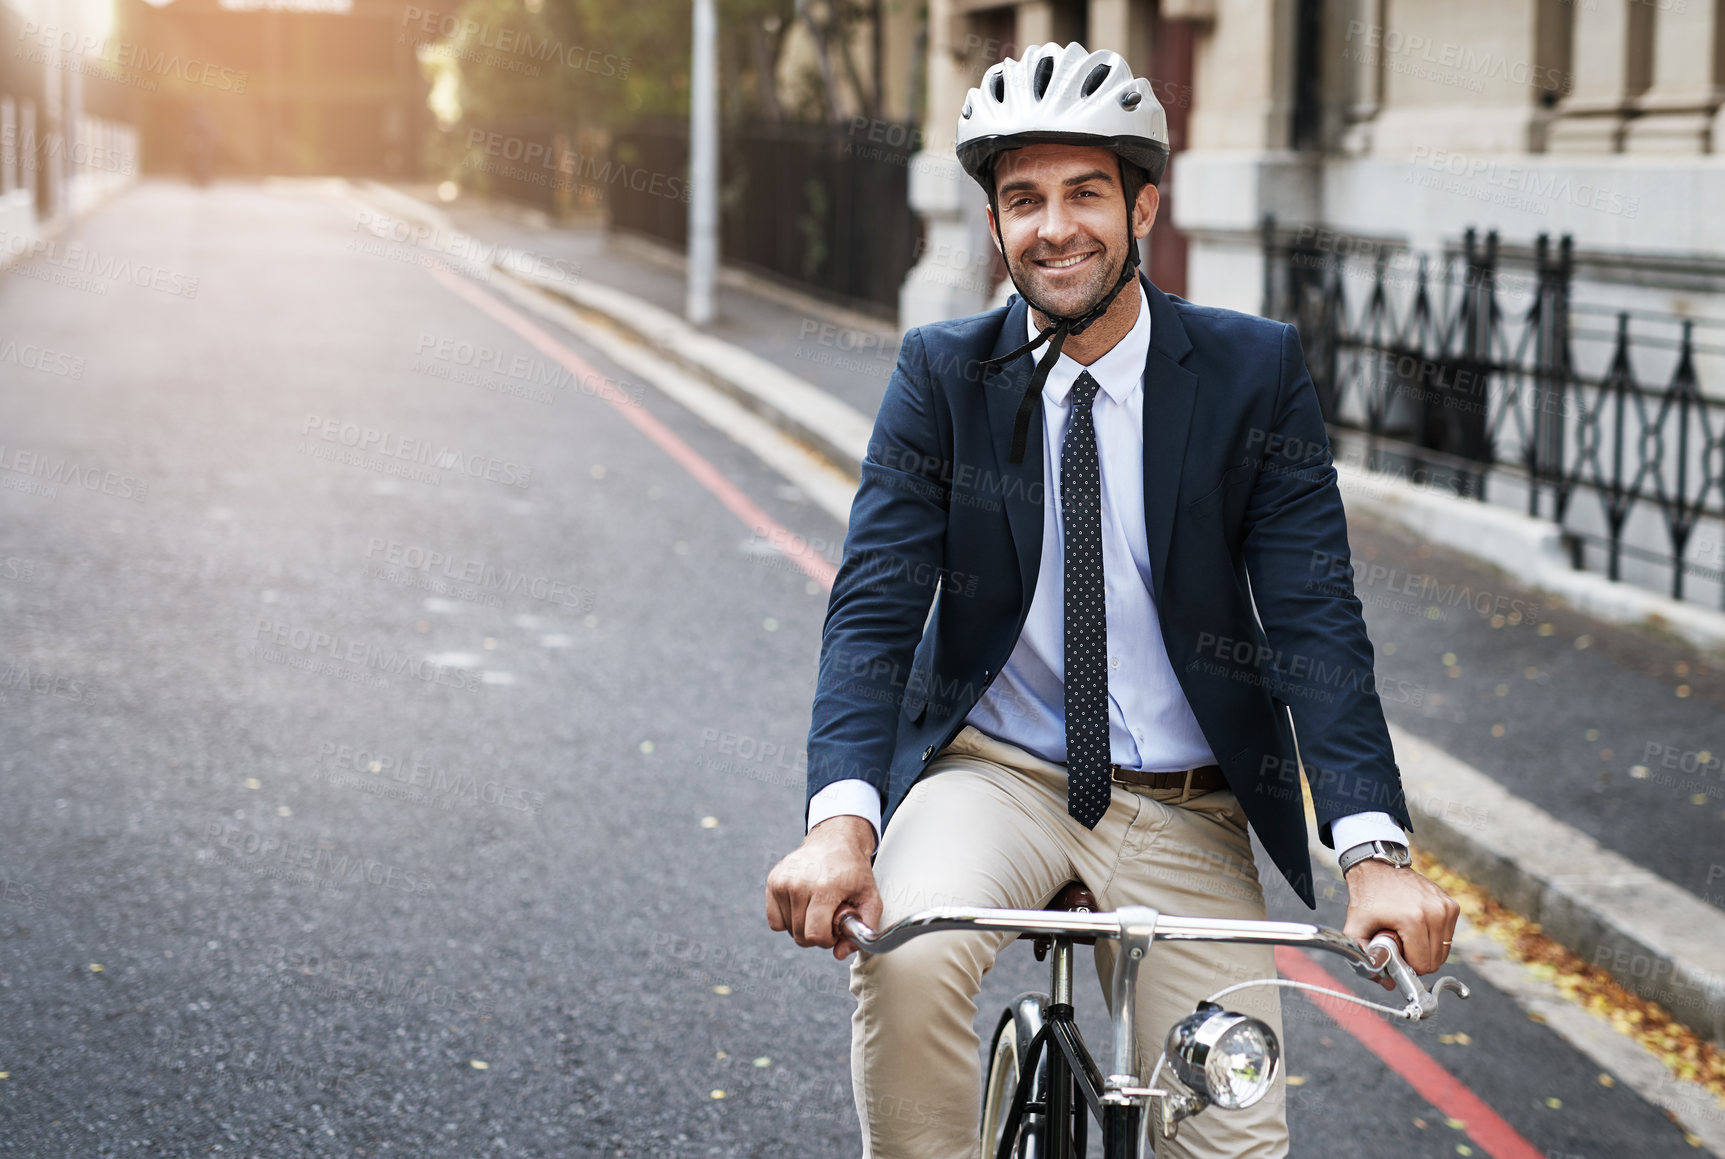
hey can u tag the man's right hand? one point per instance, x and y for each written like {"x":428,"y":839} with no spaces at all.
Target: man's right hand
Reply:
{"x":829,"y":870}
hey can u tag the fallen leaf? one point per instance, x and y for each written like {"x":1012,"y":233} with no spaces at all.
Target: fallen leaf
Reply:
{"x":1588,"y":986}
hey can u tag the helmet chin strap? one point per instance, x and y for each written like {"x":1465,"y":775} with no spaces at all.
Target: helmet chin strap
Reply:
{"x":1061,"y":327}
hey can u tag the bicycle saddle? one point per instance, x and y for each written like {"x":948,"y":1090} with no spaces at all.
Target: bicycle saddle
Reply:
{"x":1072,"y":897}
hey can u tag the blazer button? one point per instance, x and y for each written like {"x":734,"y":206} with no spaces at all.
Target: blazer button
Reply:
{"x":928,"y":752}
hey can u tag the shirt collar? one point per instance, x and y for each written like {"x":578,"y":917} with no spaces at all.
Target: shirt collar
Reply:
{"x":1118,"y":372}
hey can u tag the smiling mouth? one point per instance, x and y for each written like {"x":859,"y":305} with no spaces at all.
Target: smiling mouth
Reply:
{"x":1066,"y":263}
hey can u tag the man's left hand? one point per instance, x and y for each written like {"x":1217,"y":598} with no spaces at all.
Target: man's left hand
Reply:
{"x":1422,"y":917}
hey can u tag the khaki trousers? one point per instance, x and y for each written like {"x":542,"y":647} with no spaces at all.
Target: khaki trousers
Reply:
{"x":988,"y":826}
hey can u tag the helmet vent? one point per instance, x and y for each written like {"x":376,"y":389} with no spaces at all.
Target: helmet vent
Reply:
{"x":1044,"y":74}
{"x":1095,"y":79}
{"x":1131,"y":99}
{"x":967,"y":110}
{"x":999,"y":86}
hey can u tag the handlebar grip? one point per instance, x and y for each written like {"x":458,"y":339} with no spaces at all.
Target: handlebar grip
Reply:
{"x":848,"y":926}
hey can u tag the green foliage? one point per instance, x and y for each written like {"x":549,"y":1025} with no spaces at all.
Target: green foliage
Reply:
{"x":599,"y":64}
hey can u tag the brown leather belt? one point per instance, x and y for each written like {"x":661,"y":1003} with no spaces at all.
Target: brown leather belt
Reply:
{"x":1204,"y":779}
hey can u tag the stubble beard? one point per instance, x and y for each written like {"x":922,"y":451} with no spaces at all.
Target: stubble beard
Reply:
{"x":1072,"y":301}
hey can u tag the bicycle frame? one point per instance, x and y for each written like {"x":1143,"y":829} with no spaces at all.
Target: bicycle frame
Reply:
{"x":1069,"y":1066}
{"x":1119,"y":1100}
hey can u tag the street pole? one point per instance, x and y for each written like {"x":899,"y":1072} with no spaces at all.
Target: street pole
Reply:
{"x":703,"y":165}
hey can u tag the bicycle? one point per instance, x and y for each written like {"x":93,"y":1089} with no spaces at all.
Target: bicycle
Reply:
{"x":1038,"y":1102}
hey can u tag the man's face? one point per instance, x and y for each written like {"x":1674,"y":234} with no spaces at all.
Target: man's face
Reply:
{"x":1063,"y":222}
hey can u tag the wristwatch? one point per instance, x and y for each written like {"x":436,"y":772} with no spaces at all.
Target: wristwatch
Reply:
{"x":1393,"y":852}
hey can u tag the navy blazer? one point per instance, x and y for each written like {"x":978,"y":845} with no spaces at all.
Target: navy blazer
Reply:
{"x":1241,"y":508}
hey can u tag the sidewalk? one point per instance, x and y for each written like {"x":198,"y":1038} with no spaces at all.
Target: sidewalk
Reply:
{"x":1572,"y":766}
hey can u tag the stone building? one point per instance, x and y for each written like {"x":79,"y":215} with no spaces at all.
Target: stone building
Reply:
{"x":1497,"y":222}
{"x":65,"y":140}
{"x":1397,"y":119}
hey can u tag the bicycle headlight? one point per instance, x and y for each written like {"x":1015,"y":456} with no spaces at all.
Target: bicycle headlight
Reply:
{"x":1225,"y":1058}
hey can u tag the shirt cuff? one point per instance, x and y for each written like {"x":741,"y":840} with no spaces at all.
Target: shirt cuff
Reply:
{"x":853,"y":797}
{"x":1358,"y":828}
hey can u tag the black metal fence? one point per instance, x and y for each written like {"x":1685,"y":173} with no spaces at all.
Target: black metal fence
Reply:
{"x":824,"y":207}
{"x":1479,"y":368}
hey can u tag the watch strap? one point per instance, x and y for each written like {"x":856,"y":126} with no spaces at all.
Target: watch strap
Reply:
{"x":1387,"y":851}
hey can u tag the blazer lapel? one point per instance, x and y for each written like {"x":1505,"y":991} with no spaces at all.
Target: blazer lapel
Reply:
{"x":1170,"y":394}
{"x":1020,"y":483}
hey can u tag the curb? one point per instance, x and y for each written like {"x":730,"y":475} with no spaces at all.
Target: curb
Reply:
{"x":1658,"y":940}
{"x":636,"y":245}
{"x":1532,"y":551}
{"x":1661,"y":942}
{"x":804,"y":411}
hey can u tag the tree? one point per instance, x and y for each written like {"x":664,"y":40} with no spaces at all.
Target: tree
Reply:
{"x":600,"y":64}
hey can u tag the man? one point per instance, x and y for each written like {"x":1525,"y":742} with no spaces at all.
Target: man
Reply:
{"x":1138,"y":564}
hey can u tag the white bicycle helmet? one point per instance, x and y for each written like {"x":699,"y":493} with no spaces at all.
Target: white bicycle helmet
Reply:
{"x":1063,"y":96}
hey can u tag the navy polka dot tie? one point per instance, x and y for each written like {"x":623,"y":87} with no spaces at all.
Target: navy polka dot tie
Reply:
{"x":1088,"y":781}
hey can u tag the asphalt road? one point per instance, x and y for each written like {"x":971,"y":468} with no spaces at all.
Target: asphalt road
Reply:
{"x":417,"y":801}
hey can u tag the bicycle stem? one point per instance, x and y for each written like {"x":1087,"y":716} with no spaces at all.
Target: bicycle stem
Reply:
{"x":1138,"y":929}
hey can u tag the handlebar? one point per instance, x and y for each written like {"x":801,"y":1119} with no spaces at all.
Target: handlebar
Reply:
{"x":1380,"y":958}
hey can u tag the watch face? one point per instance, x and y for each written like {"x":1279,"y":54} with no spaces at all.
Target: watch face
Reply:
{"x":1398,"y":855}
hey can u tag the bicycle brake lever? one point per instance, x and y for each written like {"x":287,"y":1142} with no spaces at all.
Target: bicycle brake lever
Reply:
{"x":1422,"y":1003}
{"x":1451,"y":983}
